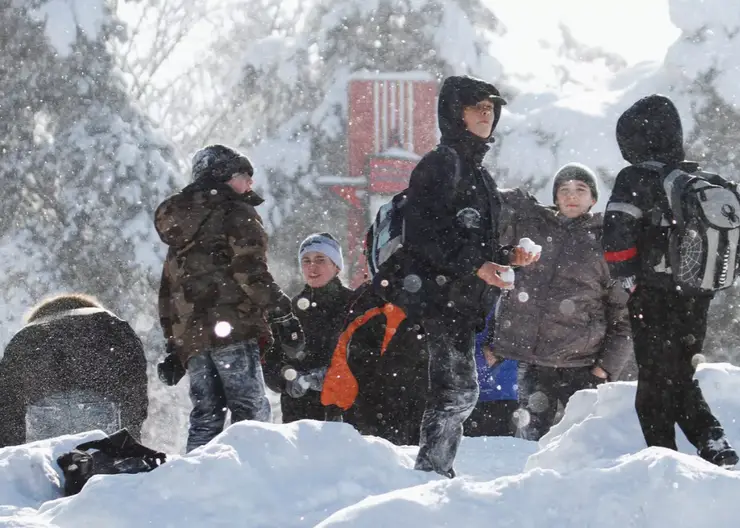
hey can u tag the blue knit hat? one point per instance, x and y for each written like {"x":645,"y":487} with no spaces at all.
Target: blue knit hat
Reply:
{"x":322,"y":243}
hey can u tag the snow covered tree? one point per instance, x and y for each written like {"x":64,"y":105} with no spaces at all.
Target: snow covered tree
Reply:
{"x":85,"y":167}
{"x":289,"y":110}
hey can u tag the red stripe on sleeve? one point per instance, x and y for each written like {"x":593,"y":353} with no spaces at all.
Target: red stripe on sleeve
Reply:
{"x":620,"y":256}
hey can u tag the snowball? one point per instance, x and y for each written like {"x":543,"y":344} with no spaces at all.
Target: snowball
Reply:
{"x":290,"y":374}
{"x":528,"y":245}
{"x":508,"y":275}
{"x":523,"y":296}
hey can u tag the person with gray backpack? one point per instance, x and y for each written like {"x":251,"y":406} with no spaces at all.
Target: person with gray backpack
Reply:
{"x":670,"y":237}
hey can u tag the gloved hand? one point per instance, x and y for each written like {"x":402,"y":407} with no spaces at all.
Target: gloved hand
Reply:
{"x":171,"y":370}
{"x":289,"y":336}
{"x":315,"y":378}
{"x":297,"y":383}
{"x":297,"y":388}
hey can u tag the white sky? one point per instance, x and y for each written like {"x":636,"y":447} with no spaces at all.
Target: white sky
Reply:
{"x":638,"y":30}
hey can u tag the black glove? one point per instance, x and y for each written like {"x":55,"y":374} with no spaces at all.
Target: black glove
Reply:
{"x":170,"y":370}
{"x":289,"y":336}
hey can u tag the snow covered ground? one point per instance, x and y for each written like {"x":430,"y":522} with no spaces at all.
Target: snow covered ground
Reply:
{"x":591,"y":470}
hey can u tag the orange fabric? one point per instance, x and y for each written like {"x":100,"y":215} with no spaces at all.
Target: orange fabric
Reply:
{"x":340,"y":385}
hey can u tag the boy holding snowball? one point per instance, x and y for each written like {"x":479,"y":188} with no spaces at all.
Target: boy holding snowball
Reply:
{"x":565,"y":320}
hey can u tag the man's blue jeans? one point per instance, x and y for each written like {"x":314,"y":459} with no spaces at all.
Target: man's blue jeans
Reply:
{"x":228,"y":377}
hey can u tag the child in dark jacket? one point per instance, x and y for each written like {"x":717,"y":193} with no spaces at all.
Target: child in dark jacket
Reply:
{"x":668,"y":325}
{"x":497,"y":401}
{"x":566,"y":319}
{"x":321,"y":308}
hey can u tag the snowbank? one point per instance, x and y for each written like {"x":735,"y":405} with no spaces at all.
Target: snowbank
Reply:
{"x":590,"y":470}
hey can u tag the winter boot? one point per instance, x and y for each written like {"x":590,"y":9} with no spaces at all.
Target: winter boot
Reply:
{"x":716,"y":449}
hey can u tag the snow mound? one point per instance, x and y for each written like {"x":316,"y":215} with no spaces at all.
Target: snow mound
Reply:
{"x":590,"y":470}
{"x":600,"y":426}
{"x":654,"y":487}
{"x":260,"y":474}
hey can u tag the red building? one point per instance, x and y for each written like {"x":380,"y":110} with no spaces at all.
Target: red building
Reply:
{"x":392,"y":123}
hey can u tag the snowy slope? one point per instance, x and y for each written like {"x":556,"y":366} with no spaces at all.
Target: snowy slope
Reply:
{"x":591,"y":470}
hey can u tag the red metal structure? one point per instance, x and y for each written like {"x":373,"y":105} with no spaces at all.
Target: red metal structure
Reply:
{"x":392,"y":123}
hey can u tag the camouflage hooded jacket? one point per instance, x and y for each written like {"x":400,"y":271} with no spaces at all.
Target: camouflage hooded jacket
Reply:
{"x":215,"y":289}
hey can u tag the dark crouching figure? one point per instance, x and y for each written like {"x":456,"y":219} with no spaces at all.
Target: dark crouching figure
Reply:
{"x":74,"y":367}
{"x":378,"y":373}
{"x":218,"y":301}
{"x":669,"y":319}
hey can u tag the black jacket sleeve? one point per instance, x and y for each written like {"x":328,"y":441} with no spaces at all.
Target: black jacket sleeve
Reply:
{"x":165,"y":308}
{"x":432,"y":231}
{"x":627,"y":212}
{"x":618,"y":341}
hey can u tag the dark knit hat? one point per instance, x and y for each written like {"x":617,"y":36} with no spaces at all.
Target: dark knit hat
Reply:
{"x":575,"y":171}
{"x":219,"y":163}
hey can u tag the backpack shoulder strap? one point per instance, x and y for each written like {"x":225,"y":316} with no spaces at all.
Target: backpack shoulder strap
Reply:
{"x":456,"y":157}
{"x":652,"y":165}
{"x":661,"y":214}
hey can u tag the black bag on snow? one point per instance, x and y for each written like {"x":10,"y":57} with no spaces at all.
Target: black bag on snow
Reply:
{"x":117,"y":453}
{"x":391,"y":268}
{"x":702,"y":213}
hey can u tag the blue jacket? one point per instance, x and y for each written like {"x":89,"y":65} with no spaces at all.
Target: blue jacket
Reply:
{"x":500,"y":381}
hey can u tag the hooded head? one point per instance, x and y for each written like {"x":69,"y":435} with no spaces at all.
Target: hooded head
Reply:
{"x":650,"y":130}
{"x":458,"y":92}
{"x":218,"y":163}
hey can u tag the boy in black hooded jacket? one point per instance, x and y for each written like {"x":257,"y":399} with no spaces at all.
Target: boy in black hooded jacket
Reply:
{"x":668,"y":326}
{"x":452,"y":239}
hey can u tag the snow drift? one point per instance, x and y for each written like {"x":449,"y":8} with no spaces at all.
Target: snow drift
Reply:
{"x":590,"y":470}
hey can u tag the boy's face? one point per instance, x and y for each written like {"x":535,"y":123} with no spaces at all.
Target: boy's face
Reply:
{"x":479,"y":119}
{"x":318,"y":269}
{"x":241,"y":183}
{"x":574,"y":198}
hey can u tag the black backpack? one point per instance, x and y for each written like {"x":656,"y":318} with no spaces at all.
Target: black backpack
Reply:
{"x":390,"y":267}
{"x":115,"y":454}
{"x":702,"y":213}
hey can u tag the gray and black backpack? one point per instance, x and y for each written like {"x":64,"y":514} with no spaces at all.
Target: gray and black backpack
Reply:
{"x":702,"y":212}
